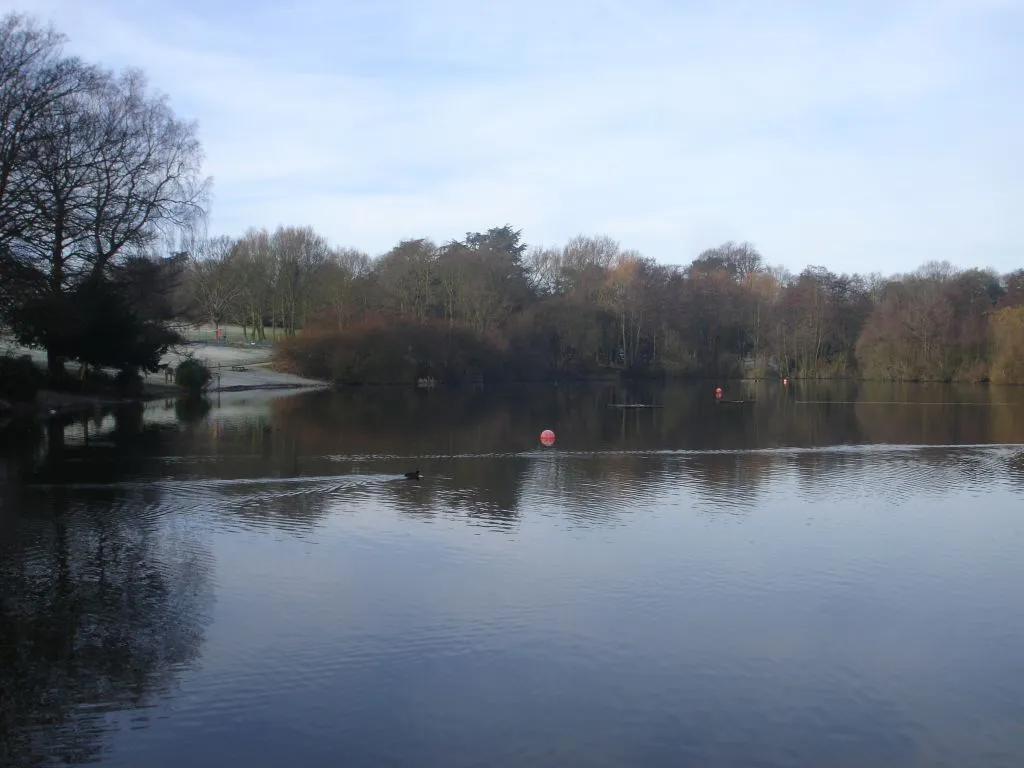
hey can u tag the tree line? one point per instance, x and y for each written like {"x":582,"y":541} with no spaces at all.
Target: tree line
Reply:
{"x":488,"y":304}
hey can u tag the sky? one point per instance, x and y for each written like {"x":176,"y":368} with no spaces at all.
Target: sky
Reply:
{"x":859,"y":135}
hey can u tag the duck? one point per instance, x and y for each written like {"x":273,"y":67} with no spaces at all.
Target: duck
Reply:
{"x":414,"y":475}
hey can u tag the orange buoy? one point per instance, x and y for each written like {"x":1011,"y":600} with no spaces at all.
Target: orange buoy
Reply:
{"x":547,"y":437}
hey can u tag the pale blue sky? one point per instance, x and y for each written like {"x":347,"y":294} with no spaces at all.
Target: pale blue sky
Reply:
{"x":867,"y":136}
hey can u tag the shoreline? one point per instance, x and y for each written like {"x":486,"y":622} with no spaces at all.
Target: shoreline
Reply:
{"x":641,"y":380}
{"x":53,"y":404}
{"x":233,"y":369}
{"x":246,"y":368}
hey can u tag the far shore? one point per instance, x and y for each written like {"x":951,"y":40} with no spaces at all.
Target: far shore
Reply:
{"x":240,"y":368}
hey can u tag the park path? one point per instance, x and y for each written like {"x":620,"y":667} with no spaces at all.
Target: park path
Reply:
{"x":223,"y":360}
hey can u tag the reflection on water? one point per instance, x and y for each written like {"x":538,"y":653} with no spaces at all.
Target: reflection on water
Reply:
{"x":827,"y":577}
{"x":102,"y":603}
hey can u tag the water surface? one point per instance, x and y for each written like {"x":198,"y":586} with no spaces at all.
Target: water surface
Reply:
{"x":829,"y":576}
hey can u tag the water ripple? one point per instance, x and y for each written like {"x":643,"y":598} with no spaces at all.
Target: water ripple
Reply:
{"x":784,"y":606}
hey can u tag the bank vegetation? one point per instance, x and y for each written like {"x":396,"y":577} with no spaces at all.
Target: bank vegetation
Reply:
{"x":489,"y":306}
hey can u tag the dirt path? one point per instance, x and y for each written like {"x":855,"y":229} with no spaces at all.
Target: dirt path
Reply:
{"x":237,"y":368}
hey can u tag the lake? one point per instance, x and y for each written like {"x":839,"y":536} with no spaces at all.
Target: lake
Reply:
{"x":828,"y":576}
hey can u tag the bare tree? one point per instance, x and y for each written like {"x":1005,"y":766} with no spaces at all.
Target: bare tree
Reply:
{"x":34,"y":76}
{"x":298,"y":252}
{"x":91,"y":167}
{"x":544,"y":266}
{"x":147,"y":170}
{"x":339,"y":283}
{"x":253,"y":273}
{"x":214,"y":278}
{"x":739,"y":260}
{"x":406,"y":274}
{"x":584,"y":262}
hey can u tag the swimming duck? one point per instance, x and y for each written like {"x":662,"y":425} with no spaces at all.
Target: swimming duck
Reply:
{"x":414,"y":475}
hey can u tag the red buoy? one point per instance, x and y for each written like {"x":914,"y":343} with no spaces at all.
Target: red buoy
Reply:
{"x":547,"y":437}
{"x":718,"y":392}
{"x":785,"y":382}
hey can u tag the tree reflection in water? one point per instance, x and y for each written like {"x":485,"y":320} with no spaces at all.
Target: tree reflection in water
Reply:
{"x":101,"y":607}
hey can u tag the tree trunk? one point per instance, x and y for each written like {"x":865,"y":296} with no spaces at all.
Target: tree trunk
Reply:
{"x":622,"y":339}
{"x":54,"y":363}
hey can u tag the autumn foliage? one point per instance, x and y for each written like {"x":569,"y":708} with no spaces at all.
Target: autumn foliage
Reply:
{"x":376,"y":352}
{"x":488,"y":306}
{"x":1008,"y":345}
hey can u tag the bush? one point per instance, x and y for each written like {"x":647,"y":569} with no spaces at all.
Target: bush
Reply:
{"x":192,"y":376}
{"x":374,"y":353}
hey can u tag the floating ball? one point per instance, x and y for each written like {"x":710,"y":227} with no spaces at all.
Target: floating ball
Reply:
{"x":547,"y":437}
{"x":718,"y":392}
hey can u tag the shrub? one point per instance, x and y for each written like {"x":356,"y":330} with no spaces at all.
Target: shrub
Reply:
{"x":192,"y":375}
{"x":373,"y":353}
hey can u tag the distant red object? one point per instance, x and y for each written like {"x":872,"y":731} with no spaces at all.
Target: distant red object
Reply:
{"x":785,"y":382}
{"x":718,"y":392}
{"x":547,"y":437}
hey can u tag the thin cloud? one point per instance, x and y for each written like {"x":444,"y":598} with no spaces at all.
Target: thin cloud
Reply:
{"x":859,"y":135}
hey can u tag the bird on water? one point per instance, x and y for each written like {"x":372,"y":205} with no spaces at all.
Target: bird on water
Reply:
{"x":414,"y":475}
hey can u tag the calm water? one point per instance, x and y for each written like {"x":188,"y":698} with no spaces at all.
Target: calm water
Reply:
{"x":828,"y":577}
